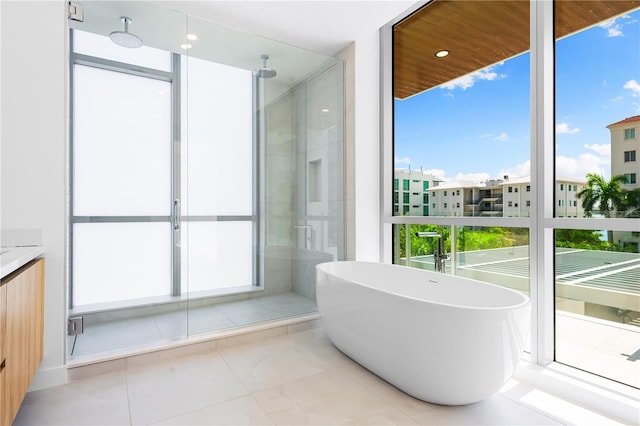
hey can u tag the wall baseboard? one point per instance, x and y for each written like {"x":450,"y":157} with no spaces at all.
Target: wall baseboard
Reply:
{"x":49,"y":377}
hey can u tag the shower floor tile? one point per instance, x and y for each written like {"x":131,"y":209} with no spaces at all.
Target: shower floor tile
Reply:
{"x":135,"y":332}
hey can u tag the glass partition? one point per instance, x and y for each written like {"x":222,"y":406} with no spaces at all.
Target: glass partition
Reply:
{"x":597,"y":269}
{"x":461,"y":167}
{"x":206,"y":177}
{"x":496,"y":255}
{"x":461,"y":111}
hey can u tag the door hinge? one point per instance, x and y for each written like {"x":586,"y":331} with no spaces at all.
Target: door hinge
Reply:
{"x":75,"y":326}
{"x":76,"y":12}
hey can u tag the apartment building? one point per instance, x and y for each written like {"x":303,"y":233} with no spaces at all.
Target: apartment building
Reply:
{"x":625,"y":146}
{"x":494,"y":197}
{"x":411,"y":192}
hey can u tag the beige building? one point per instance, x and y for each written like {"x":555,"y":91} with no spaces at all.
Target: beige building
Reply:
{"x":494,"y":197}
{"x":625,"y":147}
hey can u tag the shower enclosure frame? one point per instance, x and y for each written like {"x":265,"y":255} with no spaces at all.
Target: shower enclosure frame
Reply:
{"x":176,"y":218}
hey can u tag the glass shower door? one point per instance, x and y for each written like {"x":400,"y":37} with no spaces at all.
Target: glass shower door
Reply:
{"x":319,"y":226}
{"x":218,"y":224}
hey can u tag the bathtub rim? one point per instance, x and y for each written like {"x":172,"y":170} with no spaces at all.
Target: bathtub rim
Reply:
{"x":526,"y":299}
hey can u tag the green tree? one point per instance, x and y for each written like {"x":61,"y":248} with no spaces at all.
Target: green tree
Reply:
{"x":583,"y":239}
{"x":607,"y":195}
{"x":631,"y":203}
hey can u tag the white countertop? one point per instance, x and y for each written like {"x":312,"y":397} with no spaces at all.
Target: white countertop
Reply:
{"x":12,"y":258}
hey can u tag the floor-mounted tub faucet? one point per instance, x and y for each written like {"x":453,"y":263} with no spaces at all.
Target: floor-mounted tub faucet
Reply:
{"x":439,"y":255}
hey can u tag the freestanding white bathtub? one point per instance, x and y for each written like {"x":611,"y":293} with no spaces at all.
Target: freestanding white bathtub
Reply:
{"x":440,"y":338}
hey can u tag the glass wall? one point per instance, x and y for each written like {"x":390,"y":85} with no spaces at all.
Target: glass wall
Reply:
{"x":461,"y":111}
{"x":597,"y":271}
{"x":569,"y":201}
{"x":203,"y":192}
{"x":491,"y":254}
{"x":461,"y":141}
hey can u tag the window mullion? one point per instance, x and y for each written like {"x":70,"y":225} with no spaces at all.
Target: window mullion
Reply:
{"x":542,"y":181}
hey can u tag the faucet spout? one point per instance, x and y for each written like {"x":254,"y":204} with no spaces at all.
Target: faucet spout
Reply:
{"x":439,"y":255}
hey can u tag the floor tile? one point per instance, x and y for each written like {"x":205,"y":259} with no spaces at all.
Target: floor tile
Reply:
{"x":495,"y":410}
{"x":112,"y":335}
{"x":241,"y":411}
{"x":317,"y":342}
{"x":272,"y":362}
{"x":97,"y":400}
{"x":328,"y":399}
{"x":175,"y":387}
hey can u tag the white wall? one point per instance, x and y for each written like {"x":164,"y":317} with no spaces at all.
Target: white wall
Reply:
{"x":32,"y":153}
{"x":367,"y":147}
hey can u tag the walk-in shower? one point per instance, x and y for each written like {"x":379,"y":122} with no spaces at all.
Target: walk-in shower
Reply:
{"x":229,"y":184}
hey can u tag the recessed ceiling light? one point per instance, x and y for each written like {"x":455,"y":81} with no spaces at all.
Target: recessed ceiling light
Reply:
{"x":192,"y":37}
{"x":442,"y":53}
{"x":186,"y":46}
{"x":325,"y":110}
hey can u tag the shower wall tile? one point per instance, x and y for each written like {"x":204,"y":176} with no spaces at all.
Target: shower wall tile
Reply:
{"x":348,"y":56}
{"x":278,"y":267}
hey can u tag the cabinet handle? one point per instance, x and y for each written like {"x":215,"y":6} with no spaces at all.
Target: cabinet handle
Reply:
{"x":4,"y":362}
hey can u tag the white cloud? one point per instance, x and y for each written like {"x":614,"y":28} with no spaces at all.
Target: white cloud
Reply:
{"x":613,"y":29}
{"x":467,"y":81}
{"x":519,"y":170}
{"x":563,"y":128}
{"x":597,"y":161}
{"x":502,"y":137}
{"x":616,"y":99}
{"x":604,"y":150}
{"x":403,"y":160}
{"x":474,"y":177}
{"x":634,"y":86}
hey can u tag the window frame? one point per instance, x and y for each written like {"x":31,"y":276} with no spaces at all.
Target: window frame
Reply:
{"x":542,"y":220}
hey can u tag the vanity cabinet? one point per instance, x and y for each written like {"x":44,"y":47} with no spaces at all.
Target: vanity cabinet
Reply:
{"x":22,"y":332}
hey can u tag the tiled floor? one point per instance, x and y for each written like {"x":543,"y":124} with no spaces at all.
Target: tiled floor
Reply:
{"x":141,"y":331}
{"x":292,"y":379}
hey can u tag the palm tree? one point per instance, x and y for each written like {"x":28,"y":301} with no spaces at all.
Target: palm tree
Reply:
{"x":607,"y":195}
{"x":631,"y":202}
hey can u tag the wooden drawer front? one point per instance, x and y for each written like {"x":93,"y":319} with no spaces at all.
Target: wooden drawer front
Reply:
{"x":24,"y":332}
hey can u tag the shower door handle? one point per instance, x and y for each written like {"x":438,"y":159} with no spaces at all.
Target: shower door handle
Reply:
{"x":176,"y":214}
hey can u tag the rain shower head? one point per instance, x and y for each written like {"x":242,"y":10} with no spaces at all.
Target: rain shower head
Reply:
{"x":125,"y":38}
{"x":264,"y":72}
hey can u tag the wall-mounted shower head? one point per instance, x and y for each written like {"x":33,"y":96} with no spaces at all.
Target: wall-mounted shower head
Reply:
{"x":125,"y":38}
{"x":264,"y":72}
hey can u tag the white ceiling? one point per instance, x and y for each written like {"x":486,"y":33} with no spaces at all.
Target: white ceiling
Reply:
{"x":325,"y":26}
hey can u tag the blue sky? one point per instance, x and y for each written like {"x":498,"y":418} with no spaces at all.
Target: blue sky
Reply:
{"x":477,"y":127}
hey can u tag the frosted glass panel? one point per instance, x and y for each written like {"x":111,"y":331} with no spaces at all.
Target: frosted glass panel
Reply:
{"x":122,"y":144}
{"x":217,"y":255}
{"x":120,"y":261}
{"x":101,"y":46}
{"x":219,"y":126}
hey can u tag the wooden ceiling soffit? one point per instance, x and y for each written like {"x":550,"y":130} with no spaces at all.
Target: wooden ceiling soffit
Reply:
{"x":477,"y":34}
